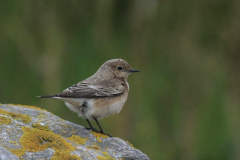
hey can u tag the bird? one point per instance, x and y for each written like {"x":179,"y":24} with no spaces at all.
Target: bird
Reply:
{"x":102,"y":94}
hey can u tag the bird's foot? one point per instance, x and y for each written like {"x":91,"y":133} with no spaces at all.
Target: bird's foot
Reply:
{"x":95,"y":130}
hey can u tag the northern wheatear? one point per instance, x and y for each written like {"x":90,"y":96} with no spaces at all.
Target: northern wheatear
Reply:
{"x":100,"y":95}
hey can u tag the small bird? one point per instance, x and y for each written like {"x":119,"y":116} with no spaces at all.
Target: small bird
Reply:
{"x":100,"y":95}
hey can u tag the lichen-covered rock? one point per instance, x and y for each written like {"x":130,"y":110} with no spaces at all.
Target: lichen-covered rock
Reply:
{"x":31,"y":133}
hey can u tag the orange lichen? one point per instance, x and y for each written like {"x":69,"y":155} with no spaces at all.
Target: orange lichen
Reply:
{"x":26,"y":106}
{"x":77,"y":139}
{"x":4,"y":120}
{"x":35,"y":140}
{"x":99,"y":135}
{"x":17,"y":116}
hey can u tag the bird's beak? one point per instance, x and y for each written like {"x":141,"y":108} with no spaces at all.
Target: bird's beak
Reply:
{"x":133,"y":70}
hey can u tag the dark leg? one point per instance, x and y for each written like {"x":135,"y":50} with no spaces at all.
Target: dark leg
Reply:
{"x":101,"y":131}
{"x":91,"y":127}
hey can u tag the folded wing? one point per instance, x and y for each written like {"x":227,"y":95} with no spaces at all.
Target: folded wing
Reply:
{"x":106,"y":88}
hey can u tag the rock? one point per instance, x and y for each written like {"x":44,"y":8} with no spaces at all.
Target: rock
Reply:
{"x":6,"y":154}
{"x":30,"y":133}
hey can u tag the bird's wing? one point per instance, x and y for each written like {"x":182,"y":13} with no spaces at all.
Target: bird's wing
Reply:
{"x":105,"y":88}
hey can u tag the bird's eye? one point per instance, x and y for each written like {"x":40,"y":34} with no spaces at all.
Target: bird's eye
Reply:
{"x":119,"y":68}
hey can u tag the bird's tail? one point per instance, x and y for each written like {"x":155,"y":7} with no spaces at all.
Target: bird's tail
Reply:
{"x":46,"y":96}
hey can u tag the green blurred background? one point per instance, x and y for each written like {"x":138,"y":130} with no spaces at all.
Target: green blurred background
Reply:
{"x":185,"y":102}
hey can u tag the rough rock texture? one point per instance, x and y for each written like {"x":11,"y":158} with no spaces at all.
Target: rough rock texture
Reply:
{"x":31,"y":133}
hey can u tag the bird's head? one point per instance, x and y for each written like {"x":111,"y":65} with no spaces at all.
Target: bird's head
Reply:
{"x":118,"y":68}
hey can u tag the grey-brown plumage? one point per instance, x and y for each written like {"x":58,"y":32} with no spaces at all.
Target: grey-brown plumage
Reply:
{"x":100,"y":95}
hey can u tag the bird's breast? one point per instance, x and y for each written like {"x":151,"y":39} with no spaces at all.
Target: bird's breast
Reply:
{"x":103,"y":107}
{"x":109,"y":101}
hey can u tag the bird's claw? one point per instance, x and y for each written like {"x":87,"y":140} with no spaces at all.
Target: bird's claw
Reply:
{"x":95,"y":130}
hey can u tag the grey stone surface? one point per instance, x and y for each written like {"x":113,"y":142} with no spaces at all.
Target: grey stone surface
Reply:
{"x":7,"y":155}
{"x":32,"y":133}
{"x":48,"y":153}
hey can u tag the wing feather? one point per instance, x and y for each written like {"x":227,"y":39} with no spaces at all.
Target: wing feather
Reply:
{"x":105,"y":88}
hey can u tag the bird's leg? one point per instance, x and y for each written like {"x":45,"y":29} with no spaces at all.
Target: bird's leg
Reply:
{"x":101,"y":131}
{"x":91,"y":127}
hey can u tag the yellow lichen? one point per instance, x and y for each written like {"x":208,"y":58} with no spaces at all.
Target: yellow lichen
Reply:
{"x":101,"y":158}
{"x":94,"y":147}
{"x":18,"y":152}
{"x":26,"y":106}
{"x":15,"y":142}
{"x":99,"y":135}
{"x":105,"y":153}
{"x":40,"y":120}
{"x":17,"y":116}
{"x":64,"y":155}
{"x":41,"y":115}
{"x":41,"y":127}
{"x":77,"y":139}
{"x":106,"y":156}
{"x":35,"y":140}
{"x":4,"y":120}
{"x":72,"y":127}
{"x":130,"y":144}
